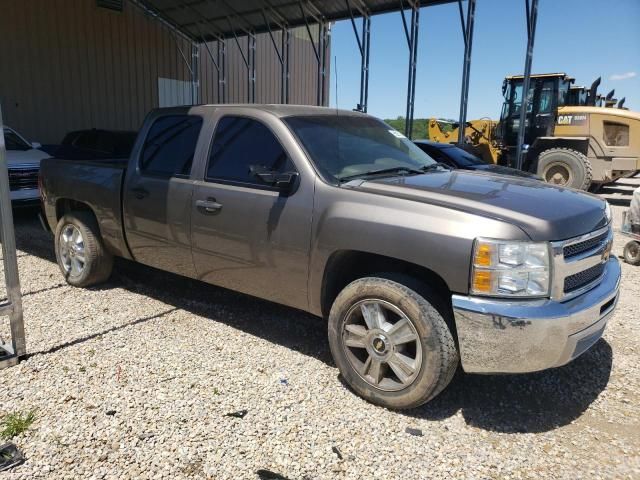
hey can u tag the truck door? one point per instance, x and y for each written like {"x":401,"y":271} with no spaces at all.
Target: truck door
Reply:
{"x":157,"y":194}
{"x":247,"y":235}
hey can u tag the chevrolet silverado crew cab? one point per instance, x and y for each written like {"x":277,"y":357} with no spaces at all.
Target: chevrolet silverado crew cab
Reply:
{"x":417,"y":268}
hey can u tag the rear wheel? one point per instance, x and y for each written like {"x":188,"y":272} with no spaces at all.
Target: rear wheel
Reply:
{"x":391,"y":343}
{"x":565,"y":167}
{"x":631,"y":252}
{"x":81,"y":255}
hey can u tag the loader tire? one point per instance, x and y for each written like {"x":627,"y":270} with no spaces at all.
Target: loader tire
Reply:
{"x":566,"y":168}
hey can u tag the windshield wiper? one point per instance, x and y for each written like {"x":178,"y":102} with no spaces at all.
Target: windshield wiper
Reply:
{"x":435,"y":166}
{"x":405,"y":170}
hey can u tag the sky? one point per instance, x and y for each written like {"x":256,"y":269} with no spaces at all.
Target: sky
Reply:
{"x":583,"y":38}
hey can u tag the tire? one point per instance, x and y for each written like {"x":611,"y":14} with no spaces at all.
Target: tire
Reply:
{"x":77,"y":237}
{"x":432,"y":351}
{"x":631,"y":253}
{"x":565,"y":167}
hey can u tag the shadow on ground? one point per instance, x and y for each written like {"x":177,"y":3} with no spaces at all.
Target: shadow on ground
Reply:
{"x":534,"y":402}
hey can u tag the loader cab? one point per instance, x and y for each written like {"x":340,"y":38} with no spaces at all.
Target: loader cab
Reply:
{"x":546,"y":93}
{"x":577,"y":96}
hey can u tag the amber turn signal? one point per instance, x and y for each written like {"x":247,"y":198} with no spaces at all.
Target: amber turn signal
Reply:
{"x":483,"y":255}
{"x":482,"y":281}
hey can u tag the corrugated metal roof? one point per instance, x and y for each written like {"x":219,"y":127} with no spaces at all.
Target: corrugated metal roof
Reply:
{"x":211,"y":19}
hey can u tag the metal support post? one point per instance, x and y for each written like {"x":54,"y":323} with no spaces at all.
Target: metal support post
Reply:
{"x":12,"y":307}
{"x":222,"y":72}
{"x":286,"y":42}
{"x":467,"y":35}
{"x":320,"y":51}
{"x":412,"y":41}
{"x":194,"y":74}
{"x":363,"y":45}
{"x":281,"y":53}
{"x":249,"y":61}
{"x":192,"y":66}
{"x":251,"y":51}
{"x":326,"y":35}
{"x":532,"y":19}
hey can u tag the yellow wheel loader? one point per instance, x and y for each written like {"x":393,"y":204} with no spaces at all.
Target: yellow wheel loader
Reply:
{"x":570,"y":138}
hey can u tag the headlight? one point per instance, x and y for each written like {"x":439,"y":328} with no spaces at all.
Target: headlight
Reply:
{"x":510,"y":269}
{"x":607,"y":211}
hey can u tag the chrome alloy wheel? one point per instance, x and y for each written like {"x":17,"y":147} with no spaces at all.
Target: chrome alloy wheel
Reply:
{"x":382,"y":344}
{"x":72,"y":252}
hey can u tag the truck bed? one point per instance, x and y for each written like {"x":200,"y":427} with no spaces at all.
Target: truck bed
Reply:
{"x":96,"y":183}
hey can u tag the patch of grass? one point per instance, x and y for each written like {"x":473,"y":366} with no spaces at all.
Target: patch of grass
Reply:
{"x":16,"y":423}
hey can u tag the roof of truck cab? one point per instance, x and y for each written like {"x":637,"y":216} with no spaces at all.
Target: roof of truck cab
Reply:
{"x":281,"y":110}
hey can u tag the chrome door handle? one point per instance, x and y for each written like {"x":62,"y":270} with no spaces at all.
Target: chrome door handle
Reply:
{"x":208,"y":207}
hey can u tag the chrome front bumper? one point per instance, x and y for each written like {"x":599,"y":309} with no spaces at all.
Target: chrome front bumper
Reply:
{"x":511,"y":336}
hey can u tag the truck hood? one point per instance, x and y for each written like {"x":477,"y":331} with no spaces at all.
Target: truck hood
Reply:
{"x":16,"y":158}
{"x":544,"y":212}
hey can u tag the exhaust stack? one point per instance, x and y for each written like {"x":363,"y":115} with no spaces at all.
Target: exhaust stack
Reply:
{"x":593,"y":92}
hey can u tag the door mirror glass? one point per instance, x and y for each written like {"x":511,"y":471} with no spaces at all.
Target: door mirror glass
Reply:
{"x":282,"y":181}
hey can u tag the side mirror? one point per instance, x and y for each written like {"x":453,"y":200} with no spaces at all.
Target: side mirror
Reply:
{"x":282,"y":181}
{"x":36,"y":145}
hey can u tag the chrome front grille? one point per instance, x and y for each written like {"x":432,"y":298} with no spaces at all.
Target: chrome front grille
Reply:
{"x":579,"y":263}
{"x":23,"y":177}
{"x":584,"y":246}
{"x":585,"y":277}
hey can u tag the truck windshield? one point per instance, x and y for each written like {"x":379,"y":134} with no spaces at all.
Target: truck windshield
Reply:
{"x":348,"y":146}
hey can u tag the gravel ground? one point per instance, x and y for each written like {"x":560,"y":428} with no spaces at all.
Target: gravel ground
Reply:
{"x":134,"y":380}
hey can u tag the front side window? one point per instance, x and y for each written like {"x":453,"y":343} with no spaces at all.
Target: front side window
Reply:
{"x":13,"y":142}
{"x":170,"y":145}
{"x":616,"y":134}
{"x":243,"y":147}
{"x":348,"y":146}
{"x":546,"y":97}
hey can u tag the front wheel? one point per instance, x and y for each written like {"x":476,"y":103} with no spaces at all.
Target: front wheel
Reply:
{"x":392,"y":344}
{"x":80,"y":252}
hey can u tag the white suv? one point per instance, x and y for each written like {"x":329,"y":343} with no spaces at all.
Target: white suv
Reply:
{"x":23,"y":162}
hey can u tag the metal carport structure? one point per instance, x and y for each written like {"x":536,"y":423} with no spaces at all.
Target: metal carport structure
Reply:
{"x":239,"y":21}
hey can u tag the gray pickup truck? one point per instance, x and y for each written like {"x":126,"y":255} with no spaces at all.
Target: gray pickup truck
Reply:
{"x":333,"y":212}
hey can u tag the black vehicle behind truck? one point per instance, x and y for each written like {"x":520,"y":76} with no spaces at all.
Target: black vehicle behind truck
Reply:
{"x":337,"y":214}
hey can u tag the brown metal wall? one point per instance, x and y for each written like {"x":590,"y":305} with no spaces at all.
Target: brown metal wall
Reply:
{"x":303,"y":70}
{"x":68,"y":65}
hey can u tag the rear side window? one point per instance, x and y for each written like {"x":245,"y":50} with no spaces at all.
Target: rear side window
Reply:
{"x":242,"y":146}
{"x":616,"y":134}
{"x":170,"y":145}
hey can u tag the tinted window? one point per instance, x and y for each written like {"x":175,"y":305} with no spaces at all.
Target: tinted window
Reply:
{"x":436,"y":154}
{"x":242,"y":146}
{"x":170,"y":145}
{"x":14,"y":142}
{"x":461,"y":157}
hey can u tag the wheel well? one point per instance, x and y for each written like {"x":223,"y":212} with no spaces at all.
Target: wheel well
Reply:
{"x":66,"y":205}
{"x":346,"y":266}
